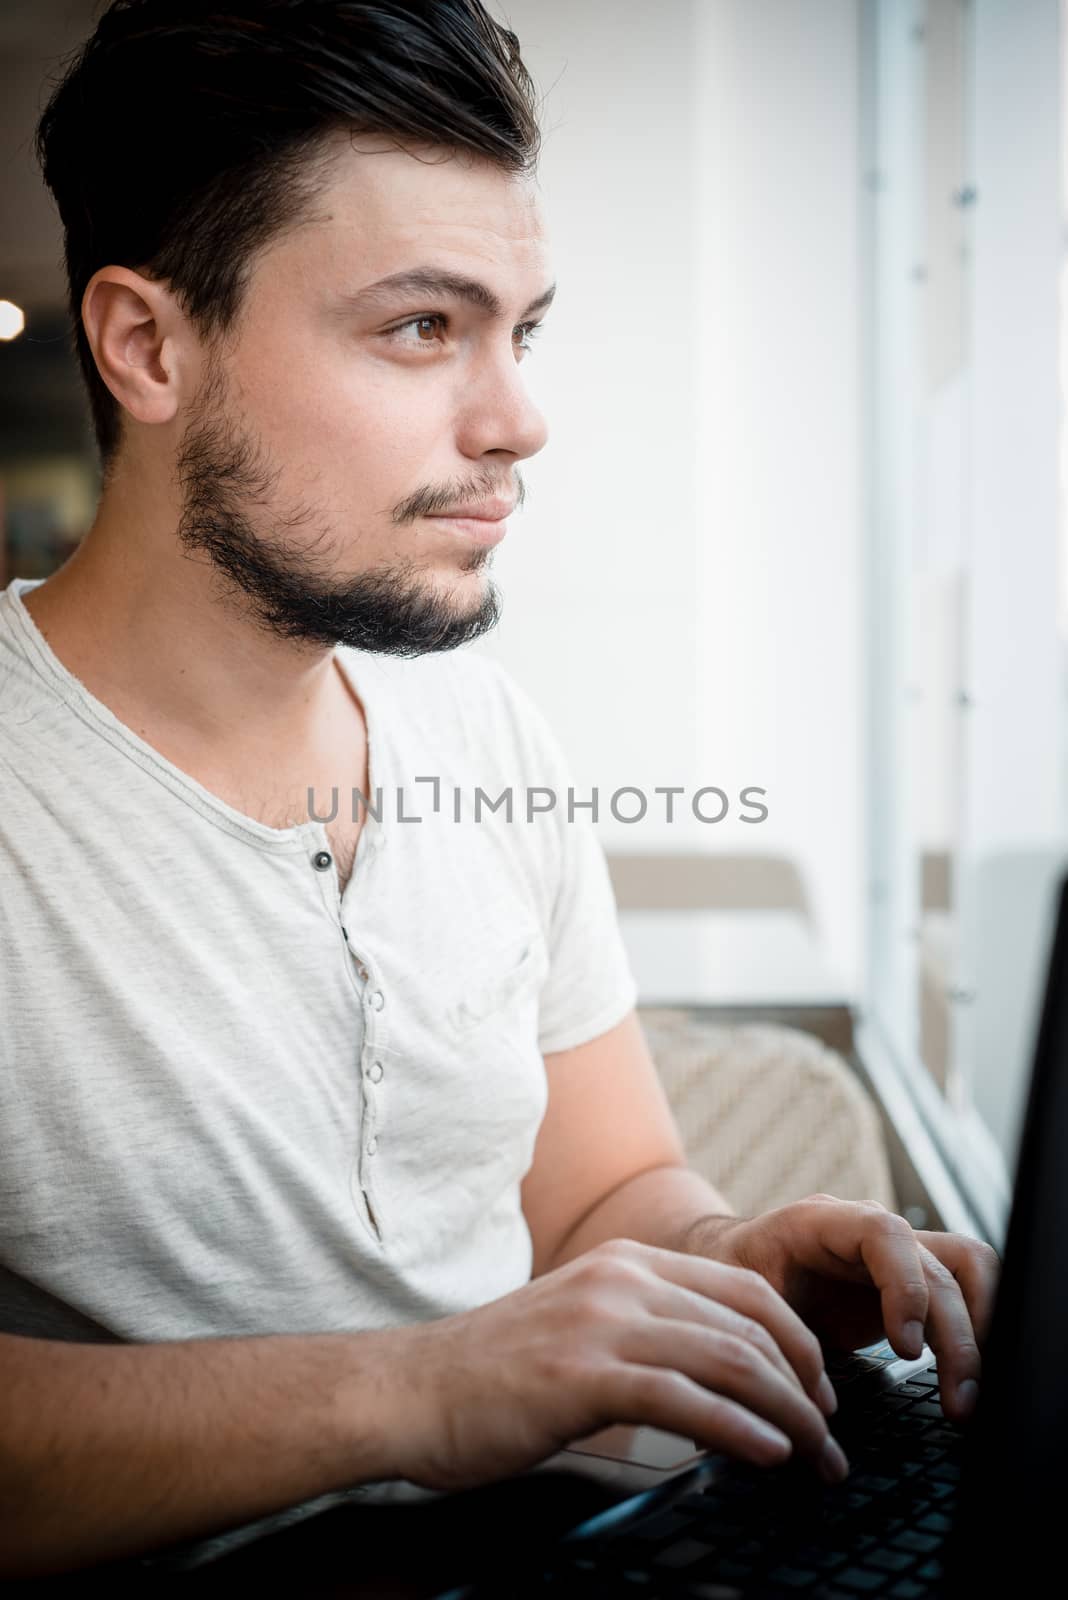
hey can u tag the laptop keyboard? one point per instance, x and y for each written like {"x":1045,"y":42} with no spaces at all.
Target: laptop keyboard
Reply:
{"x":765,"y":1534}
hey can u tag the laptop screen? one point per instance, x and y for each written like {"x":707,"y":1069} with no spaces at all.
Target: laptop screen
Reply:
{"x":1009,"y":1518}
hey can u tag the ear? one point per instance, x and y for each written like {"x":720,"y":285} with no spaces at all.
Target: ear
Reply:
{"x":141,"y":342}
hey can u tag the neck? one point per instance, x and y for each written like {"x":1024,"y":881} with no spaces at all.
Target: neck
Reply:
{"x":151,"y":633}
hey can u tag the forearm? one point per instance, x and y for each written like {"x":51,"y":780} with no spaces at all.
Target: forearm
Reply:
{"x":111,"y":1450}
{"x":669,"y":1206}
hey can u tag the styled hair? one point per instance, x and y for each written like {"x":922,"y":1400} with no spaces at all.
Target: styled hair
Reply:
{"x":186,"y":134}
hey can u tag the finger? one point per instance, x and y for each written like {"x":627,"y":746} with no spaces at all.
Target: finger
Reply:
{"x":679,"y":1304}
{"x":976,"y":1267}
{"x":661,"y":1397}
{"x":752,"y":1295}
{"x":730,"y":1366}
{"x":952,"y":1338}
{"x":867,"y":1236}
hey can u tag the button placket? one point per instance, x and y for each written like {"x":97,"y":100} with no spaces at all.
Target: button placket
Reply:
{"x":375,"y":1029}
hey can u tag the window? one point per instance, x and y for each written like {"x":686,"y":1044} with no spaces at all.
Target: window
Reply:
{"x":967,"y":573}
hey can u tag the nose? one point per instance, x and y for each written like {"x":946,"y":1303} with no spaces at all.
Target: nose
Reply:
{"x":497,"y":413}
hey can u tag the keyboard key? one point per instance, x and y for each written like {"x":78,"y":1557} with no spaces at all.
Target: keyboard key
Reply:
{"x":708,"y":1591}
{"x":946,"y":1472}
{"x":860,"y":1580}
{"x":935,"y":1522}
{"x":908,"y":1589}
{"x":890,"y":1560}
{"x":924,"y":1543}
{"x":684,"y":1553}
{"x":822,"y":1560}
{"x":869,"y":1483}
{"x":728,"y":1570}
{"x":931,"y":1570}
{"x":661,"y":1526}
{"x":794,"y":1578}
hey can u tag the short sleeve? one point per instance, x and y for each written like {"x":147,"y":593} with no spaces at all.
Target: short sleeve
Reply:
{"x":589,"y":986}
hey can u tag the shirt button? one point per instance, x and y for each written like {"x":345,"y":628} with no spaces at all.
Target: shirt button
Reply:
{"x":375,"y":1072}
{"x":322,"y":860}
{"x":378,"y":999}
{"x":372,"y":1146}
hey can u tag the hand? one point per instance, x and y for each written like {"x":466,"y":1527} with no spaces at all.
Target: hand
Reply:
{"x":625,"y":1333}
{"x":855,"y":1272}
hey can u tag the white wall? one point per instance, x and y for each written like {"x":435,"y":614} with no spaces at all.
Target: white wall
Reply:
{"x":682,"y":590}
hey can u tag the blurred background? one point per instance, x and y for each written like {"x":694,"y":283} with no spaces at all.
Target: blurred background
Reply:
{"x":800,"y":524}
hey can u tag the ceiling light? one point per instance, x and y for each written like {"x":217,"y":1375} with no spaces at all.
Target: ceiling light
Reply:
{"x":12,"y":320}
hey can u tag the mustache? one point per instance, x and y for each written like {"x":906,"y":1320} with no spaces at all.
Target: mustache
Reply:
{"x":431,"y":502}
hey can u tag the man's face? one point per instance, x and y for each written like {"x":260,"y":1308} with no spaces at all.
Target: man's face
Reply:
{"x":323,"y":439}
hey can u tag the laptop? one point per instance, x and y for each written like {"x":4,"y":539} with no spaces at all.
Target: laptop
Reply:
{"x":930,"y":1508}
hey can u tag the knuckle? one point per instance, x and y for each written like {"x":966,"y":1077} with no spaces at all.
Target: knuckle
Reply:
{"x":645,"y":1389}
{"x":959,"y":1351}
{"x":735,"y":1355}
{"x":604,"y":1381}
{"x":937,"y":1271}
{"x":750,"y":1281}
{"x":609,"y":1290}
{"x":607,"y":1268}
{"x":756,"y":1334}
{"x":617,"y":1250}
{"x":561,"y":1369}
{"x":889,"y":1223}
{"x":592,"y":1308}
{"x":941,"y":1277}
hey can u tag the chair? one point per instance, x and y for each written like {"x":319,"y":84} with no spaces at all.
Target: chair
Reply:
{"x":768,"y":1114}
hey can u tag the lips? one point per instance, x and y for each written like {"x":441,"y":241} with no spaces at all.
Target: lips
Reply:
{"x":487,"y":511}
{"x":483,"y":530}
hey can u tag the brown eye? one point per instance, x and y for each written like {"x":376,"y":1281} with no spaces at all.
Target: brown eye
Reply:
{"x":434,"y":320}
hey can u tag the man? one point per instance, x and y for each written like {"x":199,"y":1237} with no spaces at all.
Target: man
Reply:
{"x":332,"y":1147}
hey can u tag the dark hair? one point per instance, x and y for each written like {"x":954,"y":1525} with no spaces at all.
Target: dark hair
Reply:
{"x":185,"y":134}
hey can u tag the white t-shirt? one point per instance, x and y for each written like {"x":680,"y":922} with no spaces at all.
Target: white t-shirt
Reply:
{"x":211,"y":1121}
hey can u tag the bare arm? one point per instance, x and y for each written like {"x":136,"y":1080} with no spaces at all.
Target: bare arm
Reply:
{"x":667,"y":1206}
{"x":111,"y":1450}
{"x":609,"y":1161}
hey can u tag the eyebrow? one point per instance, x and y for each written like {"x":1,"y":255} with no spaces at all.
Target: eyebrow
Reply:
{"x":434,"y":281}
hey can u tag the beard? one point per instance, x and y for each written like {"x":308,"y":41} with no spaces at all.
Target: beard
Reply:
{"x":281,"y":583}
